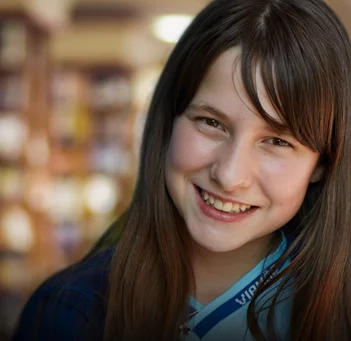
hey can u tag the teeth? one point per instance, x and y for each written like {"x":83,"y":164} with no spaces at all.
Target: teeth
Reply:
{"x":226,"y":207}
{"x":236,"y":208}
{"x":242,"y":208}
{"x":218,"y":204}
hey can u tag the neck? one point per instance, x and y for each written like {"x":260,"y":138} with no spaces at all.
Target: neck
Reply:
{"x":216,"y":272}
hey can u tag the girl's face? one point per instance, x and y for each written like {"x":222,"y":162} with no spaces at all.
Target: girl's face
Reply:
{"x":232,"y":178}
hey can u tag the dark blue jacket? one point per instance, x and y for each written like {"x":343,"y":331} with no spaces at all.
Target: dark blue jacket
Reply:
{"x":70,"y":306}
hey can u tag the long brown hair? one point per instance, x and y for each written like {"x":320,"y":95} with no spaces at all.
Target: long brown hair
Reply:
{"x":303,"y":53}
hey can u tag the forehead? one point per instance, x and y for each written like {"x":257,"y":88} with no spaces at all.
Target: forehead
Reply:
{"x":223,"y":86}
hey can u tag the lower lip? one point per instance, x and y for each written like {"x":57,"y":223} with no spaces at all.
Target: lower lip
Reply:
{"x":211,"y":212}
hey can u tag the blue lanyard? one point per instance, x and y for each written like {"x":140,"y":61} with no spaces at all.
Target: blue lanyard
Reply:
{"x":243,"y":297}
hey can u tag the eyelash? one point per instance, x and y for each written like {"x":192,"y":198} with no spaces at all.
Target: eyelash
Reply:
{"x":213,"y":123}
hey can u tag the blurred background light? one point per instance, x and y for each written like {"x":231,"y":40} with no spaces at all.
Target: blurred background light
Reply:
{"x":169,"y":28}
{"x":16,"y":228}
{"x":101,"y":194}
{"x":13,"y":132}
{"x":67,"y":204}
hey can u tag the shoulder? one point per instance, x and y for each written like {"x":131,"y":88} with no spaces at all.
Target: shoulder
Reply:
{"x":86,"y":277}
{"x":70,"y":304}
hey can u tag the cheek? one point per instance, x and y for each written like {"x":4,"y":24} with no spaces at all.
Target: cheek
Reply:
{"x":188,"y":151}
{"x":286,"y":182}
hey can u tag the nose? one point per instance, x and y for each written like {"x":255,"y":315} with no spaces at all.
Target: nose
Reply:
{"x":233,"y":168}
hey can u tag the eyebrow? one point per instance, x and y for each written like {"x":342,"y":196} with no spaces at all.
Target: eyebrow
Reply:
{"x":209,"y":109}
{"x":281,"y":128}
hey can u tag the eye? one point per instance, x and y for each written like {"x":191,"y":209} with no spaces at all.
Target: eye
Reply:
{"x":211,"y":122}
{"x":275,"y":141}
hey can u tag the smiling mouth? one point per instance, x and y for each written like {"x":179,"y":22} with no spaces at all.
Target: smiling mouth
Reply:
{"x":223,"y":206}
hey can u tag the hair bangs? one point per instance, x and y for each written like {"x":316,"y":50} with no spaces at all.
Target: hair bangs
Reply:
{"x":296,"y":77}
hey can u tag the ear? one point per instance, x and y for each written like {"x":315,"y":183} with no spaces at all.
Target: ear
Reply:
{"x":317,"y":174}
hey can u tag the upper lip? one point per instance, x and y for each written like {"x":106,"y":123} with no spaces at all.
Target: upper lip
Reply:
{"x":215,"y":196}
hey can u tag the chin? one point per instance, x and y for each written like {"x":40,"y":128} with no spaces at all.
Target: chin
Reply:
{"x":217,"y":247}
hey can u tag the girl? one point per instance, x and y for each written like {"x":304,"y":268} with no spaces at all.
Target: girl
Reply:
{"x":239,"y":227}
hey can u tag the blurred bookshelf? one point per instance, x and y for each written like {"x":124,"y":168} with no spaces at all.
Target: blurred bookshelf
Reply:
{"x":24,"y":65}
{"x":67,"y":158}
{"x":92,"y":163}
